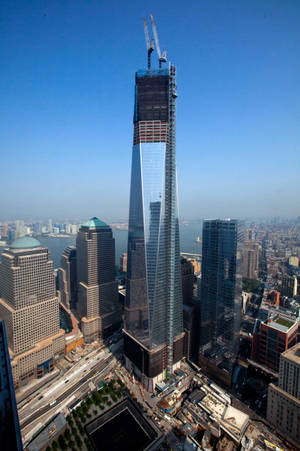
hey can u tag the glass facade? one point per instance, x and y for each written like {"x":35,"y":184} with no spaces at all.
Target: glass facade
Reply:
{"x":221,"y":289}
{"x":9,"y":422}
{"x":153,"y":307}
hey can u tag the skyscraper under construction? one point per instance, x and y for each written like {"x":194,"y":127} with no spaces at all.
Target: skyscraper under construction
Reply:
{"x":153,"y":308}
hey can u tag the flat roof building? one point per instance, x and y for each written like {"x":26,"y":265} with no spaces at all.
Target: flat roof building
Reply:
{"x":30,"y":309}
{"x":221,"y":292}
{"x":272,"y":337}
{"x":283,"y":409}
{"x":98,"y":300}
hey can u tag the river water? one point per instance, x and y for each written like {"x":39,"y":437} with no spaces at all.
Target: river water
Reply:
{"x":188,"y":234}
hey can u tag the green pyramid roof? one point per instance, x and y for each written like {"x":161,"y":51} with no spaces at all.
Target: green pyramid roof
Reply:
{"x":94,"y":222}
{"x":25,"y":242}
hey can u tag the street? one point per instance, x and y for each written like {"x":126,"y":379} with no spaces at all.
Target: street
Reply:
{"x":71,"y":386}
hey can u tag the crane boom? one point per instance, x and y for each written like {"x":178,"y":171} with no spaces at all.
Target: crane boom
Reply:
{"x":146,"y":34}
{"x":150,"y":45}
{"x":155,"y":36}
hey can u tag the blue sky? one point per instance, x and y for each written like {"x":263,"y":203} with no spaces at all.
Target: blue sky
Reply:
{"x":66,"y":88}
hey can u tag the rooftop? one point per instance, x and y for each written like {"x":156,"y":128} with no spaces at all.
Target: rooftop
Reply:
{"x":281,"y":324}
{"x":293,"y":354}
{"x":25,"y":242}
{"x":236,"y":418}
{"x":94,"y":222}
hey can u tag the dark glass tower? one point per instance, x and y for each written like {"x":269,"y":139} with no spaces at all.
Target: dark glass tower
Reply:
{"x":10,"y":435}
{"x":221,"y":291}
{"x":153,"y":307}
{"x":67,"y":278}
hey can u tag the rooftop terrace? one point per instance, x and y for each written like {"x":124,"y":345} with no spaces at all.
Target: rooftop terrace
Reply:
{"x":281,"y":324}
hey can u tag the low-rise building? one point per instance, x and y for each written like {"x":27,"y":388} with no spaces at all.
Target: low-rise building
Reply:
{"x":211,"y":407}
{"x":272,"y":337}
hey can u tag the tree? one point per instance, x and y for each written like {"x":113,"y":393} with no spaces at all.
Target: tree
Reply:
{"x":62,"y":442}
{"x":71,"y":444}
{"x":87,"y":442}
{"x":48,"y":448}
{"x":76,"y":437}
{"x":54,"y":445}
{"x":78,"y":442}
{"x":95,"y":412}
{"x":67,"y":434}
{"x":251,"y":285}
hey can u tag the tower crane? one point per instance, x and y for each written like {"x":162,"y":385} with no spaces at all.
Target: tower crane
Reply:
{"x":150,"y":45}
{"x":162,"y":58}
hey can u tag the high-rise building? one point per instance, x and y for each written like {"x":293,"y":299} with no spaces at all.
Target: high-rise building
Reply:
{"x":67,"y":277}
{"x":30,"y":309}
{"x":283,"y":409}
{"x":221,"y":291}
{"x":289,"y":286}
{"x":50,"y":226}
{"x":97,"y":299}
{"x":187,"y":277}
{"x":153,"y":340}
{"x":251,"y":260}
{"x":37,"y":228}
{"x":9,"y":421}
{"x":191,"y":316}
{"x":20,"y":228}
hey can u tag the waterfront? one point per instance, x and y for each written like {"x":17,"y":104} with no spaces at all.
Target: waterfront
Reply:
{"x":188,"y":234}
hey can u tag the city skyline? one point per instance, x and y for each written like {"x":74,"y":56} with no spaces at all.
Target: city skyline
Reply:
{"x":238,"y":100}
{"x":190,"y":338}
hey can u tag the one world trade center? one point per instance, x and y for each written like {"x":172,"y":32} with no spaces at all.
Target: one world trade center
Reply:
{"x":153,"y":330}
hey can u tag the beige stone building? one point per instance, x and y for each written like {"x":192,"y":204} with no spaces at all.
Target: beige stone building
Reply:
{"x":284,"y":400}
{"x":294,"y":261}
{"x":98,"y":302}
{"x":30,"y":309}
{"x":251,"y":260}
